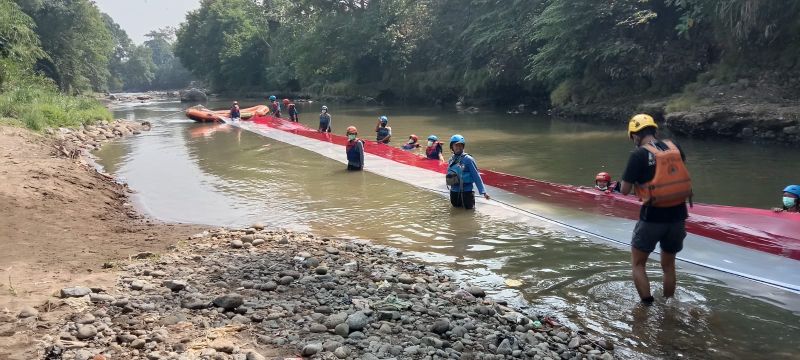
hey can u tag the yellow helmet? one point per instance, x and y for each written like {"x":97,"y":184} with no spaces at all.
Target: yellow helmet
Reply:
{"x":639,"y":122}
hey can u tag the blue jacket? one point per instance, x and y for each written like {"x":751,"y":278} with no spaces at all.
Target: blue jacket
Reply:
{"x":470,"y":173}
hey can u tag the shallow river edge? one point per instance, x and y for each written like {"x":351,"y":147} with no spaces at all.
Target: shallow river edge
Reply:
{"x":256,"y":293}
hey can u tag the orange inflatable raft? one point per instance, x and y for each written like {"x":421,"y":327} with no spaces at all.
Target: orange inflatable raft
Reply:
{"x":201,"y":114}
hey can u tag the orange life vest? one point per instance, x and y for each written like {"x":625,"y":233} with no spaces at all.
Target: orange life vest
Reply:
{"x":671,"y":185}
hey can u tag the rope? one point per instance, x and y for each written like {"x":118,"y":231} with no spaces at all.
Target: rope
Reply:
{"x":606,"y":238}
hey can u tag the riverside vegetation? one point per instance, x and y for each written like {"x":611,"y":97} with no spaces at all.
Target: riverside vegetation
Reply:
{"x":720,"y":61}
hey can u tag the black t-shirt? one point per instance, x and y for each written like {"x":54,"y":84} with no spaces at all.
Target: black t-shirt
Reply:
{"x":641,"y":168}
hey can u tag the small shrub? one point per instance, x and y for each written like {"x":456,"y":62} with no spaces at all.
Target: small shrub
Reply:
{"x":562,"y":94}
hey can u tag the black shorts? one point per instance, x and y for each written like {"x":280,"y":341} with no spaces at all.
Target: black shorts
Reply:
{"x":354,"y":168}
{"x":669,"y":235}
{"x":463,"y":199}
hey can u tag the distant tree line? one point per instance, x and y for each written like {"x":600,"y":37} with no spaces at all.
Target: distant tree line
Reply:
{"x":565,"y":51}
{"x":84,"y":50}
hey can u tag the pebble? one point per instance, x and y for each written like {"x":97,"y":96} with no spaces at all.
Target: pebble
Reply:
{"x":504,"y":348}
{"x":86,"y":319}
{"x":236,"y":244}
{"x":318,"y":328}
{"x":86,"y":332}
{"x":405,"y":279}
{"x":175,"y":285}
{"x":137,"y":285}
{"x":311,"y":349}
{"x":137,"y":344}
{"x":101,"y":298}
{"x":257,"y":242}
{"x":440,"y":326}
{"x":357,"y":321}
{"x":230,"y":301}
{"x":321,"y":270}
{"x":332,"y":250}
{"x":253,"y":355}
{"x":476,"y":291}
{"x":222,"y":345}
{"x":27,"y":312}
{"x":77,"y":291}
{"x":342,"y":352}
{"x":342,"y":330}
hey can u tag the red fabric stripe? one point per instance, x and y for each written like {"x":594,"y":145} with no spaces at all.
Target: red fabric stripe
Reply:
{"x":758,"y":229}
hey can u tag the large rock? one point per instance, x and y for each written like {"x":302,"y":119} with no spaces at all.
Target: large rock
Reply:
{"x":193,"y":95}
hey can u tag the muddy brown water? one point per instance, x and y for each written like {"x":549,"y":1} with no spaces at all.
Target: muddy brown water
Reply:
{"x":202,"y":173}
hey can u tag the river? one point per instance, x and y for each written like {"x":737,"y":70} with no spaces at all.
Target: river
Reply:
{"x":209,"y":174}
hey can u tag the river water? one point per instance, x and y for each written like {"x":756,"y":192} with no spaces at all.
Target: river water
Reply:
{"x":211,"y":174}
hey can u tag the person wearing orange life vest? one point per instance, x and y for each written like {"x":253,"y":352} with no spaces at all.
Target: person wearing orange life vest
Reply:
{"x":657,"y":174}
{"x":602,"y":182}
{"x":412,"y":143}
{"x":354,"y":149}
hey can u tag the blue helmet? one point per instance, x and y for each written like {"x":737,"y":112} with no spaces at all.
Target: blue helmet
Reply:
{"x":457,"y":139}
{"x":433,"y":138}
{"x":272,"y":98}
{"x":792,"y":189}
{"x":384,"y":119}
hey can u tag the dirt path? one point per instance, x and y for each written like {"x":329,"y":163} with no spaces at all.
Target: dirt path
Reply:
{"x":62,"y":223}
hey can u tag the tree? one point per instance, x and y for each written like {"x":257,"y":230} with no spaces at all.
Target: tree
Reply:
{"x":19,"y":44}
{"x":169,"y":73}
{"x":223,"y":43}
{"x":76,"y":38}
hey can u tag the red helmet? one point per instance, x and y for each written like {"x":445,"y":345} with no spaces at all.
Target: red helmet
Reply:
{"x":603,"y":176}
{"x":286,"y":101}
{"x":352,"y":130}
{"x":414,"y":137}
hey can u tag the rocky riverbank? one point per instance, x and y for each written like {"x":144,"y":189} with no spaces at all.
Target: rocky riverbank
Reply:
{"x":254,"y":293}
{"x":62,"y":222}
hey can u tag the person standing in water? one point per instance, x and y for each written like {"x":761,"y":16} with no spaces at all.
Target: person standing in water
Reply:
{"x":791,"y":199}
{"x":434,"y":149}
{"x":235,"y":112}
{"x":324,"y":120}
{"x":383,"y":132}
{"x":412,"y":143}
{"x":657,"y":174}
{"x":354,"y":150}
{"x":294,"y":115}
{"x":462,"y":173}
{"x":602,"y":182}
{"x":274,"y":106}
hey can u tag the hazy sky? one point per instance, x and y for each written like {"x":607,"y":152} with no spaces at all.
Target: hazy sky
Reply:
{"x":138,"y":17}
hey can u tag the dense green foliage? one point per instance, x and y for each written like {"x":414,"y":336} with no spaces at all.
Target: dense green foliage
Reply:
{"x":76,"y":39}
{"x":575,"y":51}
{"x":29,"y":99}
